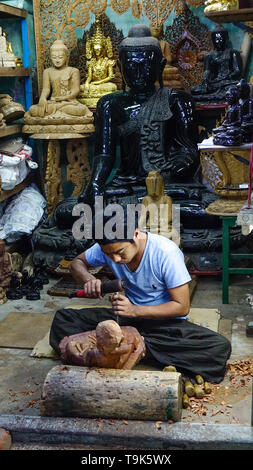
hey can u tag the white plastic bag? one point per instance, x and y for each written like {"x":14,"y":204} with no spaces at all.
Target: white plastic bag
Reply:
{"x":14,"y":169}
{"x":22,"y":215}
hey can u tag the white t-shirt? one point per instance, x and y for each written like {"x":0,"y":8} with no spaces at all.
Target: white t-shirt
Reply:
{"x":162,"y":267}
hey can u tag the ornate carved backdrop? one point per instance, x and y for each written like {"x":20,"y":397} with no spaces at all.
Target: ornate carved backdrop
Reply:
{"x":58,"y":19}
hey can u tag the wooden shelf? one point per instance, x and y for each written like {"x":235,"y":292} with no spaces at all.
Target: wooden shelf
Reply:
{"x":230,"y":16}
{"x":15,"y":71}
{"x":11,"y":130}
{"x":7,"y":11}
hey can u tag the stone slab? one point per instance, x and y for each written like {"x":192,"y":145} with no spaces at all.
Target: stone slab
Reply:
{"x":134,"y":434}
{"x":24,"y":330}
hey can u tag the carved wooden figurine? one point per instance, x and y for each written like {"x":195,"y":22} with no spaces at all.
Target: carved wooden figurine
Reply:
{"x":109,"y":346}
{"x":156,"y":213}
{"x":171,"y":77}
{"x":5,"y":265}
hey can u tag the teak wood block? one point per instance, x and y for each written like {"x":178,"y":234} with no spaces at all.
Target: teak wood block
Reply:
{"x":112,"y":393}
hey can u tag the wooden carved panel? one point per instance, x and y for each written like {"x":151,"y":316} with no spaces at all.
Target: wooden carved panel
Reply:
{"x":189,"y":40}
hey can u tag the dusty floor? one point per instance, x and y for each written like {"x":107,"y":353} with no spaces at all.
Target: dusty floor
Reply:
{"x":22,"y":376}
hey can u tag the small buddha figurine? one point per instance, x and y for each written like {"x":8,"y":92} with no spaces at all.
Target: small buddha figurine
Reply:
{"x":7,"y":57}
{"x":100,"y":69}
{"x":171,"y":77}
{"x":14,"y":291}
{"x":246,"y":110}
{"x":62,"y":112}
{"x":229,"y":133}
{"x":221,"y":5}
{"x":222,"y":69}
{"x":109,"y":346}
{"x":156,"y":213}
{"x":5,"y":266}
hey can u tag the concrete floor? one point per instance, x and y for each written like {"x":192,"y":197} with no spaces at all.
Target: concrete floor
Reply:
{"x":22,"y":376}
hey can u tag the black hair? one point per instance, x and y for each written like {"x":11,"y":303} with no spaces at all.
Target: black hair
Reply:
{"x":101,"y":236}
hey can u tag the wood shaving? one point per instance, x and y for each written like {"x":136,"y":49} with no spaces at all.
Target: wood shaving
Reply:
{"x":158,"y":424}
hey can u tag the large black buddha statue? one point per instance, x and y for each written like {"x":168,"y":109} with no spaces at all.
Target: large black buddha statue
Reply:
{"x":155,"y":128}
{"x":222,"y":69}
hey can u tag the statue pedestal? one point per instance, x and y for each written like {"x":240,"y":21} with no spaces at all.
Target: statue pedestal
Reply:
{"x":64,"y":174}
{"x":66,"y":162}
{"x":226,"y":170}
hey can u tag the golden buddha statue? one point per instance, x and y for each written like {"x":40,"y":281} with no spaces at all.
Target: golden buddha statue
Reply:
{"x":156,"y":212}
{"x":100,"y":69}
{"x":62,"y":113}
{"x":221,"y":5}
{"x":171,"y":77}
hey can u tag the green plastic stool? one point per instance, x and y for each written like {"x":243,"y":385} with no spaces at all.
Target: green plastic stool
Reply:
{"x":227,"y":223}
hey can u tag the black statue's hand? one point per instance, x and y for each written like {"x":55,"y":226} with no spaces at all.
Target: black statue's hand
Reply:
{"x":181,"y":166}
{"x":89,"y":195}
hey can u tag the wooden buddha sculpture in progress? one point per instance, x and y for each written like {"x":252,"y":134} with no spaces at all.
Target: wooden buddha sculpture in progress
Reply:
{"x":109,"y":346}
{"x":156,"y":213}
{"x":100,"y":69}
{"x":58,"y":110}
{"x":171,"y":77}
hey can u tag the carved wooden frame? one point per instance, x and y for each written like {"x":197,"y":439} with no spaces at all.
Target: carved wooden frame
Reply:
{"x":38,"y":42}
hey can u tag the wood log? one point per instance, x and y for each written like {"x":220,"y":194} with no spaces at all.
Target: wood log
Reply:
{"x":112,"y":393}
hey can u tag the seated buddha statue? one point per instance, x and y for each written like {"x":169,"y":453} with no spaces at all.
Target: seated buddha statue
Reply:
{"x":7,"y":56}
{"x":100,"y":69}
{"x":229,"y":133}
{"x":58,"y":110}
{"x":246,"y":110}
{"x":220,"y":5}
{"x":222,"y":69}
{"x":171,"y":77}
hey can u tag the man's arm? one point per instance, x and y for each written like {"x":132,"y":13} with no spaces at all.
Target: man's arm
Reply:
{"x":178,"y":306}
{"x":79,"y":269}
